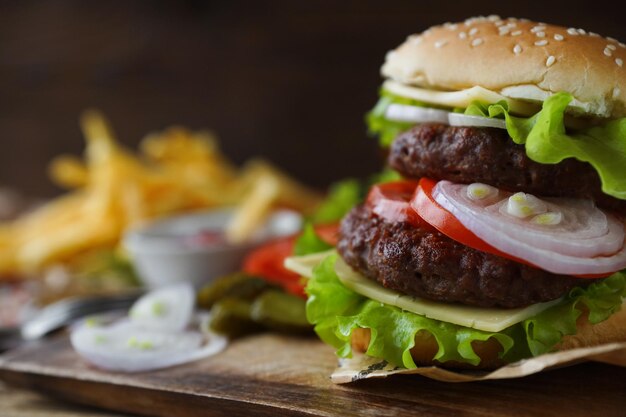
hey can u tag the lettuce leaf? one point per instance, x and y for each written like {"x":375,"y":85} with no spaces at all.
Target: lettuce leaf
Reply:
{"x":387,"y":130}
{"x":309,"y":242}
{"x":342,"y":196}
{"x":547,"y":141}
{"x":336,"y":311}
{"x":543,"y":135}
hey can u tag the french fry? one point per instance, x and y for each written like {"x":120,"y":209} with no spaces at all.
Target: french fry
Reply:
{"x":253,"y":210}
{"x":112,"y":190}
{"x":68,"y":171}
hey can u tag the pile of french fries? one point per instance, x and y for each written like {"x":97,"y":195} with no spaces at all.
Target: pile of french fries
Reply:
{"x":112,"y":190}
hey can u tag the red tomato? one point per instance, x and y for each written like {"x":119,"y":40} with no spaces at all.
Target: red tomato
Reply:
{"x":267,"y":261}
{"x":391,"y":201}
{"x":329,"y":233}
{"x":428,"y":209}
{"x":441,"y":219}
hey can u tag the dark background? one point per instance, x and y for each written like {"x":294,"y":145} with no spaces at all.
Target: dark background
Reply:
{"x":288,"y":80}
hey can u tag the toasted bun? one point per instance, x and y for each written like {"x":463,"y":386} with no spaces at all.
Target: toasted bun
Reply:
{"x":611,"y":330}
{"x":519,"y":58}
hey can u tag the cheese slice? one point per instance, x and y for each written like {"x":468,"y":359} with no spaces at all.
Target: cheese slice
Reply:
{"x":304,"y":265}
{"x":486,"y":319}
{"x":461,"y":98}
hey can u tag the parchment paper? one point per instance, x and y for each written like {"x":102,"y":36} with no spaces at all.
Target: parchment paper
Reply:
{"x":361,"y":366}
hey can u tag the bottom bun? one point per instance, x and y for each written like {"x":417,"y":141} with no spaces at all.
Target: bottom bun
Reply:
{"x":611,"y":330}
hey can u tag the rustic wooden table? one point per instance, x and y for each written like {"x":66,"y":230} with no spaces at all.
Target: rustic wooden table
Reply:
{"x":270,"y":375}
{"x":22,"y":403}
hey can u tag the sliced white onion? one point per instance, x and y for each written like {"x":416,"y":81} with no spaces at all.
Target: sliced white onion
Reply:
{"x":153,"y":337}
{"x":168,"y":308}
{"x":127,"y":347}
{"x":459,"y":119}
{"x":415,"y":114}
{"x":585,"y":241}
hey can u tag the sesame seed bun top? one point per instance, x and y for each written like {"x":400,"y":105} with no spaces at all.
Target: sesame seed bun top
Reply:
{"x":518,"y":58}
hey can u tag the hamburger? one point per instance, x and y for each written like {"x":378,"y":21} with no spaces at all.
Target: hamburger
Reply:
{"x":505,"y":238}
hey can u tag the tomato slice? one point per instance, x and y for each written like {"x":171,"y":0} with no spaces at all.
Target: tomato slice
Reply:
{"x":441,"y":219}
{"x":391,"y":201}
{"x":329,"y":233}
{"x":428,"y":209}
{"x":267,"y":261}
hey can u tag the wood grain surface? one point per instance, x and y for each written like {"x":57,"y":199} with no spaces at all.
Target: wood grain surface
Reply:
{"x":268,"y":374}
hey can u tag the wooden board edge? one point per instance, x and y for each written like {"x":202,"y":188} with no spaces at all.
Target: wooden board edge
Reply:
{"x":139,"y":400}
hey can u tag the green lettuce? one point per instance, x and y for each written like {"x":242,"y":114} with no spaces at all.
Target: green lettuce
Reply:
{"x":342,"y":196}
{"x":336,"y":311}
{"x":543,"y":135}
{"x":547,"y":141}
{"x":387,"y":130}
{"x":309,"y":242}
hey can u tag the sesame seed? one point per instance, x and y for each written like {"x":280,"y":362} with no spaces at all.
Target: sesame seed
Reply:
{"x":493,"y":18}
{"x":542,"y":42}
{"x":551,"y":60}
{"x":581,"y":31}
{"x":558,"y":37}
{"x":619,"y":62}
{"x":477,"y":41}
{"x":610,"y":39}
{"x":516,"y":33}
{"x":451,"y":26}
{"x":572,"y":31}
{"x":538,"y":28}
{"x":611,"y":47}
{"x":440,"y":43}
{"x":517,"y":49}
{"x":416,"y":39}
{"x":511,"y":24}
{"x":608,"y":52}
{"x":473,"y":31}
{"x":503,"y":31}
{"x":499,"y":23}
{"x":462,"y":35}
{"x":622,"y":45}
{"x":540,"y":34}
{"x":593,"y":34}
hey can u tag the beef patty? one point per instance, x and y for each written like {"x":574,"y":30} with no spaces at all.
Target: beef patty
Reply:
{"x":428,"y":264}
{"x":489,"y":155}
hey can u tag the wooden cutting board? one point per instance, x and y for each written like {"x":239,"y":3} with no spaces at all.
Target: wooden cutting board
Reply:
{"x":269,"y":375}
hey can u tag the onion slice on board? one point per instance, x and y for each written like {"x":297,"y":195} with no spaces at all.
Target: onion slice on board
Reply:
{"x":582,"y":244}
{"x":153,"y":337}
{"x":167,"y":308}
{"x":127,"y":347}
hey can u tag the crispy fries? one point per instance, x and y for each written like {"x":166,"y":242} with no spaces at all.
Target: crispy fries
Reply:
{"x":113,"y":190}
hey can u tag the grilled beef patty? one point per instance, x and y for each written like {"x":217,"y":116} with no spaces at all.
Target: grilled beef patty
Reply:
{"x":488,"y":155}
{"x":428,"y":264}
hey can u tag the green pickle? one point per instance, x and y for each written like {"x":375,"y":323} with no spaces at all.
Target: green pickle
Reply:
{"x":238,"y":285}
{"x":280,"y":311}
{"x":231,"y":317}
{"x":242,"y":304}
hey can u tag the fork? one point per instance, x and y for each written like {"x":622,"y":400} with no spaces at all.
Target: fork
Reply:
{"x":64,"y":312}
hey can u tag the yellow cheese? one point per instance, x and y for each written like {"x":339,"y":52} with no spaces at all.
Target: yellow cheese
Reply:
{"x":304,"y":265}
{"x":461,"y":98}
{"x":487,"y":319}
